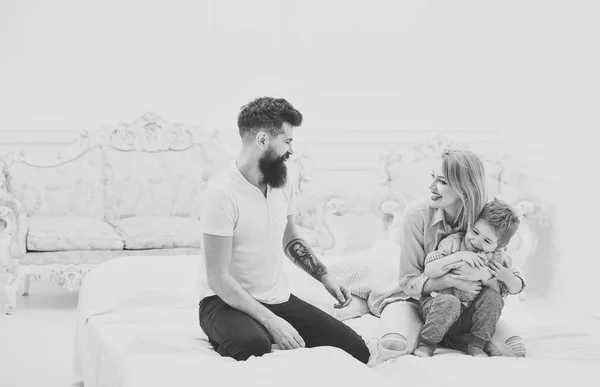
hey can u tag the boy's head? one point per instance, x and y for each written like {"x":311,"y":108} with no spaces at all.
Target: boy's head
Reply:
{"x":496,"y":224}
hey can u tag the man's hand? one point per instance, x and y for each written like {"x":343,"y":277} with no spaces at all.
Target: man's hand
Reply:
{"x":337,"y":290}
{"x":284,"y":334}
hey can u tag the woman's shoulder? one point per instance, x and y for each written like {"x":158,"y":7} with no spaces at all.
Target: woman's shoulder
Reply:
{"x":417,"y":212}
{"x":420,"y":206}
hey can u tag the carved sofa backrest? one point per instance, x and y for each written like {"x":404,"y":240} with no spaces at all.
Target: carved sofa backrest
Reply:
{"x":149,"y":167}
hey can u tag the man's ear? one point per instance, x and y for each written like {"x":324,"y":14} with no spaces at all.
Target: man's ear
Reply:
{"x":262,"y":139}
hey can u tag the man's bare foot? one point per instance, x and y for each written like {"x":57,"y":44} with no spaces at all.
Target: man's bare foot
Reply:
{"x":423,"y":351}
{"x":476,"y":351}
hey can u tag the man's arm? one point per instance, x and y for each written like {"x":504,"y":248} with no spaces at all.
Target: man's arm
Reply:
{"x":307,"y":261}
{"x":219,"y":216}
{"x":217,"y":250}
{"x":300,"y":253}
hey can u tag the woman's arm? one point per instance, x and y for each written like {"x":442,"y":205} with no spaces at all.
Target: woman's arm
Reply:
{"x":412,"y":252}
{"x":439,"y":267}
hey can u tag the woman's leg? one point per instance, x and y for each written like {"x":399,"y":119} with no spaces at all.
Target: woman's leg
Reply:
{"x":505,"y":342}
{"x":400,"y":325}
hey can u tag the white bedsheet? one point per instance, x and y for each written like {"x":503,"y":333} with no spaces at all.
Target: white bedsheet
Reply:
{"x":165,"y":347}
{"x":138,"y":327}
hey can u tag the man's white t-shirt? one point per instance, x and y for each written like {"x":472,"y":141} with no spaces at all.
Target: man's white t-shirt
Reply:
{"x":232,"y":206}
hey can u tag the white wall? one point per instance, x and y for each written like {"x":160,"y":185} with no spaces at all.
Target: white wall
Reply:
{"x":525,"y":70}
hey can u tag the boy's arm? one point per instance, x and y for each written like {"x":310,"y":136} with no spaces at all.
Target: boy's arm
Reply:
{"x":492,"y":283}
{"x":509,"y":279}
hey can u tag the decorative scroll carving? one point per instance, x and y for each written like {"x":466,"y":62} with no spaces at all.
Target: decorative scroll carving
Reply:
{"x":9,"y":266}
{"x":69,"y":277}
{"x":151,"y":133}
{"x":3,"y":187}
{"x":433,"y":148}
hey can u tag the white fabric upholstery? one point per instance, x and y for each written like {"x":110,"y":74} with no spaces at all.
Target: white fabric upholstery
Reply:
{"x":154,"y":184}
{"x":52,"y":233}
{"x":71,"y":189}
{"x":159,"y":232}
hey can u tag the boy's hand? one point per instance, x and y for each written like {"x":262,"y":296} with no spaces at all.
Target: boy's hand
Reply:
{"x":472,"y":259}
{"x":501,"y":271}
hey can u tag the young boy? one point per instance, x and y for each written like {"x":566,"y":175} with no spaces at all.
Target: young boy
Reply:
{"x":455,"y":313}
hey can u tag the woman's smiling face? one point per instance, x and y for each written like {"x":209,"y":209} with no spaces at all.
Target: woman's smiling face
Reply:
{"x":442,"y":195}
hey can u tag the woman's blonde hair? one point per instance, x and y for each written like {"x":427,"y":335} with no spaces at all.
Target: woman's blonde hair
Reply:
{"x":464,"y":172}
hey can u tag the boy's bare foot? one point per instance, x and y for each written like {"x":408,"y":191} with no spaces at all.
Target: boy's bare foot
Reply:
{"x":476,"y":351}
{"x":423,"y":351}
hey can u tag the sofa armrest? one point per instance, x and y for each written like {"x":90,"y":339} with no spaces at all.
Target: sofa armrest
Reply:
{"x":13,"y":225}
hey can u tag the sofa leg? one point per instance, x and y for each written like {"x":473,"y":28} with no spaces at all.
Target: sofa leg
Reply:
{"x":10,"y":289}
{"x":26,"y":285}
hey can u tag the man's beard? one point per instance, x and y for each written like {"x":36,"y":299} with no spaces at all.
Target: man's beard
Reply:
{"x":273,"y":168}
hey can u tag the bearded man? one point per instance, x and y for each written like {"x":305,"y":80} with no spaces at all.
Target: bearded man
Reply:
{"x":248,"y":216}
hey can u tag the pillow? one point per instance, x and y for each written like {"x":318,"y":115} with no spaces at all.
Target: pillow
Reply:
{"x":134,"y":282}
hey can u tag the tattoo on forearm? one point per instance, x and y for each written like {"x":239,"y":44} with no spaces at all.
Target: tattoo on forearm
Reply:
{"x":302,"y":255}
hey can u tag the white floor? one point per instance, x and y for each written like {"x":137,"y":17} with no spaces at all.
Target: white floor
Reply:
{"x":36,"y":343}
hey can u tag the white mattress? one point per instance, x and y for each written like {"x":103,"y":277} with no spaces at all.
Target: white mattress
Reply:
{"x":165,"y":347}
{"x":138,"y":327}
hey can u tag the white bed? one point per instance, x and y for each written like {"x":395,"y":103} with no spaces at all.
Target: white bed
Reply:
{"x":138,"y":326}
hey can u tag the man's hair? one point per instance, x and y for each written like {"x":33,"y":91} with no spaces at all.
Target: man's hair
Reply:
{"x":503,"y":219}
{"x":268,"y":114}
{"x":465,"y":174}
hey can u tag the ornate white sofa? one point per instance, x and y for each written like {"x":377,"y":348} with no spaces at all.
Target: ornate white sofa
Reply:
{"x":133,"y":189}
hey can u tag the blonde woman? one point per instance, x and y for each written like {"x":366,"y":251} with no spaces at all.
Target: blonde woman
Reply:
{"x":458,"y":194}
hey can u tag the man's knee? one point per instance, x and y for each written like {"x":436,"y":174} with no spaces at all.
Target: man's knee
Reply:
{"x":250,"y":346}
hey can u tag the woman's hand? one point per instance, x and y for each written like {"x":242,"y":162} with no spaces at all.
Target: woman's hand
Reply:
{"x":464,"y":271}
{"x":472,"y":259}
{"x":471,"y":287}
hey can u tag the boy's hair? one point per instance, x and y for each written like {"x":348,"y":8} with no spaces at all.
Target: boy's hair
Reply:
{"x":269,"y":114}
{"x":465,"y":174}
{"x":503,"y":219}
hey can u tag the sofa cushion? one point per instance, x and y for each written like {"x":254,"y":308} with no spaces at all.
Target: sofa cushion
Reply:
{"x":70,"y":189}
{"x":159,"y":232}
{"x":168,"y":183}
{"x":52,"y":233}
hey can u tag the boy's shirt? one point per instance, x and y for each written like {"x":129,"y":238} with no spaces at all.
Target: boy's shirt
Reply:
{"x":445,"y":248}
